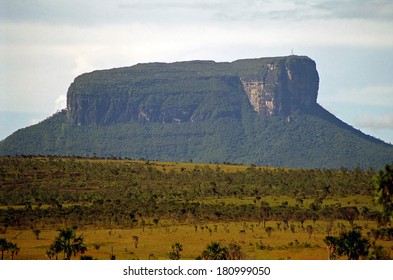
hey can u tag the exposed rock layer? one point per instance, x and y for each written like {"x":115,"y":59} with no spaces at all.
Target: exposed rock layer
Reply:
{"x":189,"y":91}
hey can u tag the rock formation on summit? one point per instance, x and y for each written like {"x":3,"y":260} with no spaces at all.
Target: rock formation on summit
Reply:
{"x":283,"y":87}
{"x":169,"y":92}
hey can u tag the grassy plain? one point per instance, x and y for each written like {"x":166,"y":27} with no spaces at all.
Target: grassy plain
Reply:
{"x":164,"y":203}
{"x":155,"y":241}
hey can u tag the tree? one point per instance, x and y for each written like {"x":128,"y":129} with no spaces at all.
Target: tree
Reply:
{"x":14,"y":249}
{"x":37,"y":232}
{"x":3,"y":247}
{"x":269,"y":231}
{"x":351,"y":244}
{"x":383,"y":192}
{"x":265,"y":212}
{"x":176,"y":249}
{"x":67,"y":242}
{"x":309,"y":230}
{"x":136,"y":240}
{"x":301,"y":215}
{"x":215,"y":251}
{"x":235,"y":251}
{"x":6,"y":246}
{"x":350,"y":214}
{"x":331,"y":244}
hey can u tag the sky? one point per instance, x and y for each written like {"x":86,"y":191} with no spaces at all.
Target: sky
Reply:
{"x":45,"y":44}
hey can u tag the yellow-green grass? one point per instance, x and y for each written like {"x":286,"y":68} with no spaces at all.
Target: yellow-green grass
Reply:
{"x":163,"y":165}
{"x":155,"y":241}
{"x":354,"y":200}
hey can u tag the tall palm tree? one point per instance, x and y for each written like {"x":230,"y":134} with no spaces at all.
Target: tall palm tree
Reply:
{"x":69,"y":243}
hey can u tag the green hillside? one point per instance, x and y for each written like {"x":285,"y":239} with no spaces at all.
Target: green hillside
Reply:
{"x":303,"y":140}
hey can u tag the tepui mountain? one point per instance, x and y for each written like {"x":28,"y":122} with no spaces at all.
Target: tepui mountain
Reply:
{"x":251,"y":111}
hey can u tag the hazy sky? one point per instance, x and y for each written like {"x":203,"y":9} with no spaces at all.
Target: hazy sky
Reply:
{"x":45,"y":44}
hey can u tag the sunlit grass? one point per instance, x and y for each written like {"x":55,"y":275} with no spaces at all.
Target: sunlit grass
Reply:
{"x":155,"y":241}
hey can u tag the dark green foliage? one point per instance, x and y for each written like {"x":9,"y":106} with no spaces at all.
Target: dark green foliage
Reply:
{"x":68,"y":243}
{"x":351,"y":244}
{"x":10,"y":247}
{"x":176,"y":249}
{"x":307,"y":141}
{"x":383,"y":192}
{"x":215,"y":251}
{"x":218,"y":251}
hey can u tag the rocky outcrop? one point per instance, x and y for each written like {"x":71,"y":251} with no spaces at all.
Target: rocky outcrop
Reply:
{"x":192,"y":91}
{"x":283,"y":87}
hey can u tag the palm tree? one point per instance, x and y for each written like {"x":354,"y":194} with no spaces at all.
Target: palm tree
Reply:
{"x":14,"y":249}
{"x":3,"y":246}
{"x":215,"y":251}
{"x":37,"y":232}
{"x":176,"y":249}
{"x":353,"y":245}
{"x":269,"y":231}
{"x":69,"y":243}
{"x":350,"y":244}
{"x":331,"y":244}
{"x":136,"y":240}
{"x":6,"y":246}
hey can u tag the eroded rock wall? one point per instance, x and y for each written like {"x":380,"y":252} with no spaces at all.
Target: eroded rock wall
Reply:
{"x":283,"y":86}
{"x":192,"y":91}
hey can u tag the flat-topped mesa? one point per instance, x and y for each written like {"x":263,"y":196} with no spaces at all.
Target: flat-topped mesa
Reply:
{"x":283,"y":86}
{"x":193,"y":91}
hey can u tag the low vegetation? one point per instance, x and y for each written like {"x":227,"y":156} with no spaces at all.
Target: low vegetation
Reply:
{"x":125,"y":209}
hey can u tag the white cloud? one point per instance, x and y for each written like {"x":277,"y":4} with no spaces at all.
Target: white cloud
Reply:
{"x":375,"y":95}
{"x":378,"y":122}
{"x":33,"y":121}
{"x":60,"y":103}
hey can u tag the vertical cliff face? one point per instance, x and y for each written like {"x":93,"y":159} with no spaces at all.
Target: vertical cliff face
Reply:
{"x":283,"y":86}
{"x":192,"y":91}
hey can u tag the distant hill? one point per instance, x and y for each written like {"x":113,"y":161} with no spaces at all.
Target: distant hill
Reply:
{"x":254,"y":111}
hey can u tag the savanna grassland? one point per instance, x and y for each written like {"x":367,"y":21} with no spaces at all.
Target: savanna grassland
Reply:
{"x":127,"y":209}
